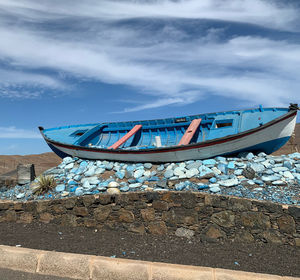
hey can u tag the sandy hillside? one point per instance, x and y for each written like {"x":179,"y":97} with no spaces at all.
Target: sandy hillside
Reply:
{"x":292,"y":144}
{"x":42,"y":162}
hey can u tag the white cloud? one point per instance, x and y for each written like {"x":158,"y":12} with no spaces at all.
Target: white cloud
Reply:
{"x":167,"y":63}
{"x":19,"y":84}
{"x":17,"y":133}
{"x":270,"y":13}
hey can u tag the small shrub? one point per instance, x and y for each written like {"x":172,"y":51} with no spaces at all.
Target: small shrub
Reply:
{"x":44,"y":184}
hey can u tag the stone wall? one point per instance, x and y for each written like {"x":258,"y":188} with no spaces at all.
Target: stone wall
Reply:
{"x":209,"y":217}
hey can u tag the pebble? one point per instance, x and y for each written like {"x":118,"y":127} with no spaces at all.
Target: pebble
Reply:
{"x":205,"y":172}
{"x":20,"y":195}
{"x":60,"y":188}
{"x":138,"y":173}
{"x":160,"y":168}
{"x":169,"y":173}
{"x":213,"y":180}
{"x":288,"y":174}
{"x":79,"y":191}
{"x":270,"y":178}
{"x":257,"y":177}
{"x":196,"y":165}
{"x":148,"y":165}
{"x":279,"y":169}
{"x":135,"y":186}
{"x":249,"y":156}
{"x":69,"y":166}
{"x":124,"y":189}
{"x":229,"y":182}
{"x":214,"y":188}
{"x":192,"y":172}
{"x":113,"y":191}
{"x":211,"y":162}
{"x":86,"y":184}
{"x":179,"y":171}
{"x":120,"y":174}
{"x":65,"y":194}
{"x":90,"y":172}
{"x":99,"y":170}
{"x":67,"y":160}
{"x":113,"y":184}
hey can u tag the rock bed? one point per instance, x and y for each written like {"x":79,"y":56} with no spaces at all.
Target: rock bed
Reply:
{"x":263,"y":177}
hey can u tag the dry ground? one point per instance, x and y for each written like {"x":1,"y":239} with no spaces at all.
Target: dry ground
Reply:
{"x":254,"y":257}
{"x":42,"y":162}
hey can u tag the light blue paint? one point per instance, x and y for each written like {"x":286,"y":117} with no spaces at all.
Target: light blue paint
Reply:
{"x":214,"y":125}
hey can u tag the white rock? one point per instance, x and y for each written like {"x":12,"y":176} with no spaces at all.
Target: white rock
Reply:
{"x":147,"y":173}
{"x":192,"y":172}
{"x":68,"y":160}
{"x":20,"y":195}
{"x":65,"y":194}
{"x":179,"y":171}
{"x":214,"y":185}
{"x":214,"y":189}
{"x":113,"y":184}
{"x":69,"y":166}
{"x":229,"y":182}
{"x":288,"y":175}
{"x":99,"y":170}
{"x":90,"y":171}
{"x":266,"y":164}
{"x":280,"y":169}
{"x":278,"y":183}
{"x":86,"y":184}
{"x":216,"y":171}
{"x":138,"y":173}
{"x":184,"y":232}
{"x":93,"y":180}
{"x":113,"y":190}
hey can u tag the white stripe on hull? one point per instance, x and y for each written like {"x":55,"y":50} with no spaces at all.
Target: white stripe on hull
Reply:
{"x":279,"y":130}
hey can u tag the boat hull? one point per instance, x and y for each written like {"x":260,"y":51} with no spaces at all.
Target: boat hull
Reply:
{"x":267,"y":138}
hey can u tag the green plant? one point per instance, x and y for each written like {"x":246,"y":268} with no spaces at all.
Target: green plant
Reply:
{"x":44,"y":184}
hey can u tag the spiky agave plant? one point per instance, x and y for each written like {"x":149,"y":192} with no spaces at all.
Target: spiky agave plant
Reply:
{"x":44,"y":184}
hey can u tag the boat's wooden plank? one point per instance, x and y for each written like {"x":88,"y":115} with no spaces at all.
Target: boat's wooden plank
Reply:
{"x":80,"y":141}
{"x":121,"y":141}
{"x":108,"y":138}
{"x":100,"y":139}
{"x":189,"y":133}
{"x":167,"y":136}
{"x":176,"y":135}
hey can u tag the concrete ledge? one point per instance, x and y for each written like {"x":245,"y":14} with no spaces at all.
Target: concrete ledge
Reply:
{"x":87,"y":267}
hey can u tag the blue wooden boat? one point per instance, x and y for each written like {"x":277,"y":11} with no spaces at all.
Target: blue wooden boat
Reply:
{"x":176,"y":139}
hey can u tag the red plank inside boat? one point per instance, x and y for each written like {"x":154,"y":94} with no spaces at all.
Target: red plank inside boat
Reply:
{"x":121,"y":141}
{"x":189,"y":133}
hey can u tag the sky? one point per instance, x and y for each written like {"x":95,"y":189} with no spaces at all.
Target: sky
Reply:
{"x":75,"y":62}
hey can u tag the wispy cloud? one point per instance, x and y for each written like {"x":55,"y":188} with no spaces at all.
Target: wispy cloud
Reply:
{"x":270,"y":13}
{"x":17,"y":133}
{"x":165,"y":49}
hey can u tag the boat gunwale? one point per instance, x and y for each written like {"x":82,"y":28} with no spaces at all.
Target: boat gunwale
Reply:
{"x":174,"y":148}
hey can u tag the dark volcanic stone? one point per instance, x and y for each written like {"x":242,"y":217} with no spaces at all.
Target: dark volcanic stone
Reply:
{"x":249,"y":173}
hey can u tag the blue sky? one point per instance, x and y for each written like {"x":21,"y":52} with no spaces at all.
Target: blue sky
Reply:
{"x":72,"y":61}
